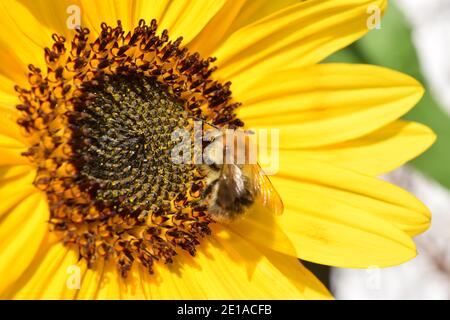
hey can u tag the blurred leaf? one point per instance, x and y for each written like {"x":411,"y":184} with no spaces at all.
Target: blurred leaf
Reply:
{"x":391,"y":47}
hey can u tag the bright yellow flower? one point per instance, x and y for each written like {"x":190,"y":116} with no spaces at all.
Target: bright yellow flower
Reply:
{"x":339,"y":129}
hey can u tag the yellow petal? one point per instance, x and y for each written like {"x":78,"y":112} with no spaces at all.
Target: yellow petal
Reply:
{"x":91,"y":282}
{"x":109,"y":285}
{"x":187,"y":18}
{"x":8,"y":97}
{"x":93,"y":13}
{"x":370,"y":195}
{"x":329,"y":103}
{"x":10,"y":174}
{"x":330,"y":233}
{"x":233,"y":15}
{"x":299,"y":275}
{"x":12,"y":142}
{"x":15,"y":185}
{"x":21,"y":235}
{"x":261,"y":228}
{"x":181,"y":17}
{"x":228,"y":267}
{"x":132,"y":289}
{"x":8,"y":142}
{"x":9,"y":129}
{"x":49,"y":277}
{"x":11,"y":151}
{"x":54,"y":15}
{"x":9,"y":156}
{"x":225,"y":266}
{"x":23,"y":41}
{"x":376,"y":153}
{"x":300,"y":35}
{"x":149,"y":10}
{"x":342,"y":218}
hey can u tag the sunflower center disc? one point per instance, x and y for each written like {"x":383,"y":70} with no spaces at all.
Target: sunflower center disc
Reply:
{"x":124,"y":142}
{"x":99,"y":125}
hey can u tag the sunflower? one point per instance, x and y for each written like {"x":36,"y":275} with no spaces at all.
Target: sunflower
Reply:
{"x":87,"y":190}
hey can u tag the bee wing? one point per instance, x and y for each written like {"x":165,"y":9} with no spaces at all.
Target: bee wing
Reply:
{"x":264,"y":189}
